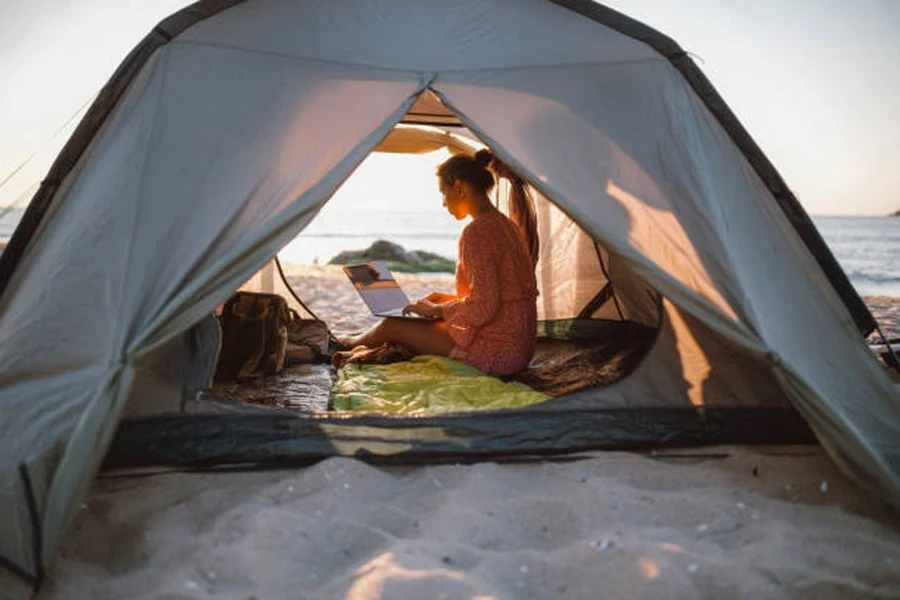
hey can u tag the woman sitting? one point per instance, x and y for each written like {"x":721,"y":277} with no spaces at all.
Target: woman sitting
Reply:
{"x":491,"y":322}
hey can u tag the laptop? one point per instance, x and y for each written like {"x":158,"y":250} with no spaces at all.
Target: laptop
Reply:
{"x":380,"y":291}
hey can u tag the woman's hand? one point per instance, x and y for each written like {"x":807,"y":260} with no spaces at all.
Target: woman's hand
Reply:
{"x":426,"y":308}
{"x":439,"y":298}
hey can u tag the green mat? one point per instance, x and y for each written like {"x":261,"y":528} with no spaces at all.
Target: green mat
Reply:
{"x":426,"y":385}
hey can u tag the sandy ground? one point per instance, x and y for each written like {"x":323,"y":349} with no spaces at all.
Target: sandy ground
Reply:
{"x":723,"y":522}
{"x":738,"y":523}
{"x":886,"y":311}
{"x":330,"y":295}
{"x":326,"y":289}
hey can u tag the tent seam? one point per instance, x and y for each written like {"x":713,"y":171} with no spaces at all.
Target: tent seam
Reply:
{"x":36,"y":529}
{"x":359,"y":65}
{"x":123,"y":348}
{"x":788,"y":378}
{"x":611,"y":63}
{"x":18,"y":571}
{"x":608,"y":278}
{"x":163,"y":33}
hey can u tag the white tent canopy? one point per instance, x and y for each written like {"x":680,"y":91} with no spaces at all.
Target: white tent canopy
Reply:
{"x":238,"y":120}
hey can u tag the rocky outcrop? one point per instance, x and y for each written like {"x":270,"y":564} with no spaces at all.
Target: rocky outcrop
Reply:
{"x":397,"y":258}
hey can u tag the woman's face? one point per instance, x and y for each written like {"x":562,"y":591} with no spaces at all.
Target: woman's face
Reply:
{"x":453,"y":199}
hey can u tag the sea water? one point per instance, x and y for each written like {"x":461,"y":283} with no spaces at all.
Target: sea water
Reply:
{"x":868,"y":248}
{"x":330,"y":233}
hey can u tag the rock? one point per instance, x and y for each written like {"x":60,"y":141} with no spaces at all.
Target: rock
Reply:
{"x":380,"y":250}
{"x":397,"y":258}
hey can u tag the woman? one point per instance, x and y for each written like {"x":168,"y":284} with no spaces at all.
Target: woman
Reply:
{"x":491,"y":322}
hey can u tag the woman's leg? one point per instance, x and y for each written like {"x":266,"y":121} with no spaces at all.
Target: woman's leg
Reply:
{"x":419,"y":337}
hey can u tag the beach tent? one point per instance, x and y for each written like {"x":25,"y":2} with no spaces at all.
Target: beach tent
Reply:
{"x":225,"y":130}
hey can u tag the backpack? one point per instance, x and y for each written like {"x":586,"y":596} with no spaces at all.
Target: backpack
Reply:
{"x":254,"y":336}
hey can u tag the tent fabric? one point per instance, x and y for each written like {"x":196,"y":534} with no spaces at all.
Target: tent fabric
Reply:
{"x":223,"y":134}
{"x":767,"y":298}
{"x":93,"y":122}
{"x":764,"y":169}
{"x":425,"y":112}
{"x":573,"y":269}
{"x":221,"y":202}
{"x":432,"y":36}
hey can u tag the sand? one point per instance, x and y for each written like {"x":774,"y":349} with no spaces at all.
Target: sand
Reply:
{"x":721,"y":522}
{"x":330,"y":295}
{"x":886,"y":311}
{"x":738,"y":523}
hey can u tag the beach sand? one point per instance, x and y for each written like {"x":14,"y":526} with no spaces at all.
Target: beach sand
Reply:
{"x":738,"y":523}
{"x":715,"y":522}
{"x":330,"y":295}
{"x":886,"y":311}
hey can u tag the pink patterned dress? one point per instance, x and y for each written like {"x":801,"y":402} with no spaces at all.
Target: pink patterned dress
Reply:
{"x":493,"y":321}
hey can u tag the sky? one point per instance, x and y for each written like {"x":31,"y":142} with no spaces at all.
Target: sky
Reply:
{"x":815,"y":82}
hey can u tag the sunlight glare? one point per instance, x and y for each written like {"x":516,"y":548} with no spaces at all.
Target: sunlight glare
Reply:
{"x":372,"y":576}
{"x":649,"y":568}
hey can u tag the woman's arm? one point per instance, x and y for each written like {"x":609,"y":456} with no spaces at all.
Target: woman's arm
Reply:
{"x":479,"y":253}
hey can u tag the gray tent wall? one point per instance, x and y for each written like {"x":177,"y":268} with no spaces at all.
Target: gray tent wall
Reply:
{"x":62,"y":398}
{"x":50,"y":446}
{"x":178,"y":22}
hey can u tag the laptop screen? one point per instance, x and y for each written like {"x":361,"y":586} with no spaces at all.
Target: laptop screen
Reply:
{"x":377,"y":286}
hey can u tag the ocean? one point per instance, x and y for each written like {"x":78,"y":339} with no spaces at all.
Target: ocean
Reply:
{"x":867,"y":248}
{"x":331,"y":232}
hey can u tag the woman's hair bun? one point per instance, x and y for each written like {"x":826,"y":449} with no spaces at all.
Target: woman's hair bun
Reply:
{"x":483,"y":158}
{"x":472,"y":169}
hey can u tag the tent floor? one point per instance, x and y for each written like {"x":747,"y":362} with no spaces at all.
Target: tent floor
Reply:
{"x":559,"y":367}
{"x":283,"y":420}
{"x":303,"y":387}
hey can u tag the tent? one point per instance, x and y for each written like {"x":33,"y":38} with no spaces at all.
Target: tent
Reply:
{"x":226,"y":129}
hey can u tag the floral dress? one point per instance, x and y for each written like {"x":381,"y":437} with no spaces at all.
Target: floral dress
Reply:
{"x":493,"y":320}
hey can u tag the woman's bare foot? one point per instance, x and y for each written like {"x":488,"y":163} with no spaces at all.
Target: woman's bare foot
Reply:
{"x":347,"y":342}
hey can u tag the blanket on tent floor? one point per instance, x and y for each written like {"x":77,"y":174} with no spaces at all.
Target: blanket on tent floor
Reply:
{"x":426,"y":385}
{"x":563,"y":363}
{"x":303,"y":387}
